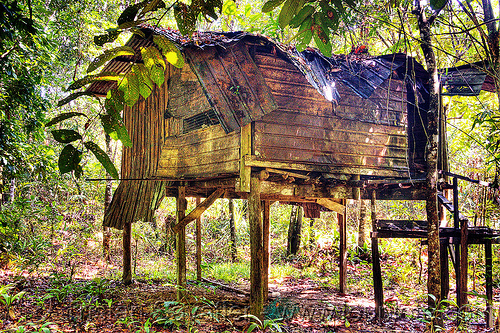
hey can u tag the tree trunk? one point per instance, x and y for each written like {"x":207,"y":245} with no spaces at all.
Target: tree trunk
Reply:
{"x":106,"y":232}
{"x":363,"y":223}
{"x":431,"y":154}
{"x":232,"y":230}
{"x":294,"y":231}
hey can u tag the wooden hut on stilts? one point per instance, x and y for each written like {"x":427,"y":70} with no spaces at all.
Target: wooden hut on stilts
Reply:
{"x":248,"y":118}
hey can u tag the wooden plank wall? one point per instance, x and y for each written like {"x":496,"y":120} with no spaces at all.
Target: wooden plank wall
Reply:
{"x":309,"y":129}
{"x":147,"y":128}
{"x":205,"y":152}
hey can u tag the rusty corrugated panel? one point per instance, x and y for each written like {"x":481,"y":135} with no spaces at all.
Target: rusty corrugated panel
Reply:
{"x":466,"y":80}
{"x":233,"y":85}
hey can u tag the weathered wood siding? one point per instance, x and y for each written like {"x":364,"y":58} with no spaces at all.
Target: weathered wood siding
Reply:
{"x":204,"y":152}
{"x":132,"y":200}
{"x":306,"y":128}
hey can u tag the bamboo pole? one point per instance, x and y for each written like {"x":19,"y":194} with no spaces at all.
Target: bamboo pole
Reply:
{"x":266,"y":250}
{"x":378,"y":288}
{"x":198,"y":244}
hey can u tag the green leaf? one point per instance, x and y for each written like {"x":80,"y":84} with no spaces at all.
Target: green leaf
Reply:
{"x":145,"y":83}
{"x":157,"y":74}
{"x":69,"y":159}
{"x":107,"y":38}
{"x":114,"y":102}
{"x":169,"y":50}
{"x":340,"y":7}
{"x":185,"y":18}
{"x":103,"y":158}
{"x":108,"y":55}
{"x":438,"y":4}
{"x":73,"y":96}
{"x":153,"y":5}
{"x":131,"y":24}
{"x":123,"y":135}
{"x":229,"y":8}
{"x":129,"y":13}
{"x":270,"y":5}
{"x":304,"y":13}
{"x":130,"y":87}
{"x":329,"y":18}
{"x":65,"y":135}
{"x":64,"y":116}
{"x":104,"y":76}
{"x":138,"y":32}
{"x":305,"y":36}
{"x":322,"y":41}
{"x":152,"y":57}
{"x":288,"y":11}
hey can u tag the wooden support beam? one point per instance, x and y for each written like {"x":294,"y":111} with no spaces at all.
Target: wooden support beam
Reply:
{"x":378,"y":287}
{"x":445,"y":274}
{"x":288,"y":173}
{"x":180,"y":244}
{"x":127,"y":254}
{"x":464,"y":251}
{"x":245,"y":152}
{"x":266,"y":249}
{"x":198,"y":243}
{"x":456,"y":225}
{"x":343,"y":251}
{"x":255,"y":221}
{"x":332,"y":205}
{"x":488,"y":254}
{"x":196,"y":213}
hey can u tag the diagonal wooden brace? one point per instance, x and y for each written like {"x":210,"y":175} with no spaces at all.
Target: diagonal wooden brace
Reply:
{"x":195,"y":213}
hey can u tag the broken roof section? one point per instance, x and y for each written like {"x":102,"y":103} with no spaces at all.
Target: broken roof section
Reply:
{"x":466,"y":80}
{"x":362,"y":74}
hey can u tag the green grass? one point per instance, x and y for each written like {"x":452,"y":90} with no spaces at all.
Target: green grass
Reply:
{"x":228,"y":272}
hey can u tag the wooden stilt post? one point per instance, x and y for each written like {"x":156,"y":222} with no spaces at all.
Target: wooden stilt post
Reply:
{"x":265,"y":250}
{"x":488,"y":254}
{"x":180,"y":246}
{"x":343,"y":251}
{"x":456,"y":225}
{"x":378,"y":288}
{"x":127,"y":254}
{"x":445,"y":274}
{"x":198,"y":244}
{"x":255,"y":219}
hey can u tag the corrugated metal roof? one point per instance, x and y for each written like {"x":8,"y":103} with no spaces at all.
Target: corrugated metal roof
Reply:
{"x":466,"y":80}
{"x":361,"y":73}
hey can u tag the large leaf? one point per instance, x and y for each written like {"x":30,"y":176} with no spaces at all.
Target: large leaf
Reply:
{"x":305,"y":34}
{"x":73,"y":96}
{"x":153,"y":60}
{"x":130,"y":13}
{"x":65,"y":135}
{"x":304,"y":13}
{"x":153,"y":5}
{"x":185,"y":17}
{"x":169,"y":50}
{"x":111,"y":36}
{"x":438,"y":4}
{"x":108,"y":55}
{"x":69,"y":159}
{"x":64,"y":116}
{"x":270,"y":5}
{"x":103,"y":158}
{"x":152,"y":57}
{"x":114,"y":101}
{"x":288,"y":11}
{"x":114,"y":127}
{"x":104,"y":76}
{"x":146,"y":85}
{"x":130,"y":87}
{"x":322,"y":41}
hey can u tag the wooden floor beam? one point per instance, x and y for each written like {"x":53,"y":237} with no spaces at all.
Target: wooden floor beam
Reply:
{"x":180,"y":244}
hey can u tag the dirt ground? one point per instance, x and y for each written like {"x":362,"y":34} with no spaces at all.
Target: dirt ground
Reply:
{"x":305,"y":305}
